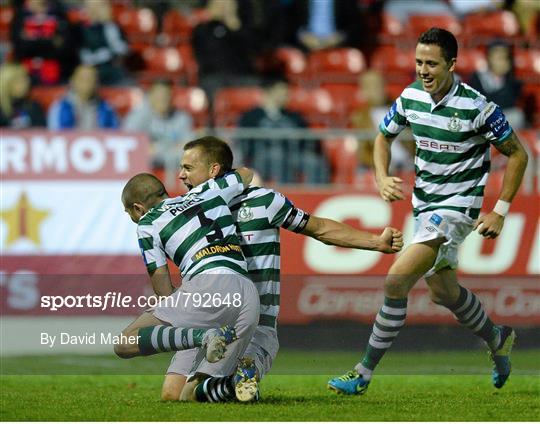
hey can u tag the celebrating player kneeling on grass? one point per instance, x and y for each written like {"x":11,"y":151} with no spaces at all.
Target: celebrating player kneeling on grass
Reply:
{"x":197,"y":232}
{"x":259,"y":213}
{"x":453,"y":126}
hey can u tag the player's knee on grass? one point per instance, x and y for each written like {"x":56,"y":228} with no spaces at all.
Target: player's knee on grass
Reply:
{"x":188,"y":391}
{"x":172,"y":386}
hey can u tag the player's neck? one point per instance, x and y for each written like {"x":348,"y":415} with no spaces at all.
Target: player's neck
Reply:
{"x":441,"y":94}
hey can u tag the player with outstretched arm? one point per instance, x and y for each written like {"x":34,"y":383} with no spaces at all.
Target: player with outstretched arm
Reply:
{"x":259,"y":214}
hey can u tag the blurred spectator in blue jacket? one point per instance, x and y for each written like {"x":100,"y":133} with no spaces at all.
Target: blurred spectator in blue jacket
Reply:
{"x":17,"y":110}
{"x":44,"y":41}
{"x":167,"y":127}
{"x":82,"y":108}
{"x":103,"y":44}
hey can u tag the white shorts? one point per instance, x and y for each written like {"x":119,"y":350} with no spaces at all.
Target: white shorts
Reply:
{"x":453,"y":226}
{"x":189,"y":312}
{"x":262,"y":348}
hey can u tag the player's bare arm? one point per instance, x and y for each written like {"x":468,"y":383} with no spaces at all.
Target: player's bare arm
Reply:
{"x":491,"y":225}
{"x":390,"y":188}
{"x":336,"y":233}
{"x":161,"y":281}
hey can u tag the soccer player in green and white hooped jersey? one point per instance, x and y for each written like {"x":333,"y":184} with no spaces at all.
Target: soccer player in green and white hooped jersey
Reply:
{"x":259,"y":213}
{"x":197,"y":232}
{"x":453,"y":126}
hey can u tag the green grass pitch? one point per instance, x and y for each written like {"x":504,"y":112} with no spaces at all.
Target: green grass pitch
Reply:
{"x":424,"y":386}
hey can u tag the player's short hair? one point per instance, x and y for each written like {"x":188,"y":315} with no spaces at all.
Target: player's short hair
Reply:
{"x":442,"y":38}
{"x":215,"y":150}
{"x":143,"y":188}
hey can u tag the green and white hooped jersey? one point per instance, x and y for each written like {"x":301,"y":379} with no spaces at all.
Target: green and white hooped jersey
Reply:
{"x":196,"y":230}
{"x":452,"y":145}
{"x":259,"y":213}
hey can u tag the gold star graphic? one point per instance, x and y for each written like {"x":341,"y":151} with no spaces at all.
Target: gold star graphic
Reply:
{"x":23,"y":221}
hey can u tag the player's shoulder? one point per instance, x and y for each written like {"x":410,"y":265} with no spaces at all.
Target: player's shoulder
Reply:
{"x":414,"y":93}
{"x":255,"y":194}
{"x":470,"y":98}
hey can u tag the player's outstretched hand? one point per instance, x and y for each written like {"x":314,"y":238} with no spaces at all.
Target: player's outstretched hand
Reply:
{"x":391,"y":189}
{"x":391,"y":240}
{"x":490,"y":225}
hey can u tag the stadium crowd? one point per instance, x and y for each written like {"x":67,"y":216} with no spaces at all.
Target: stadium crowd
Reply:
{"x":172,"y":69}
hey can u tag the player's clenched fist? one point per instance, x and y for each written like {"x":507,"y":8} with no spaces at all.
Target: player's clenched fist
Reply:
{"x":390,"y":188}
{"x":490,"y":225}
{"x":391,"y":240}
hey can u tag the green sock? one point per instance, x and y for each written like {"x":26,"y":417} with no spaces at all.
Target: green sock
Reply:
{"x":161,"y":338}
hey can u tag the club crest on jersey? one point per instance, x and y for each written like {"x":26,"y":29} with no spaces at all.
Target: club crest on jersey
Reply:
{"x":245,"y":213}
{"x":454,"y":124}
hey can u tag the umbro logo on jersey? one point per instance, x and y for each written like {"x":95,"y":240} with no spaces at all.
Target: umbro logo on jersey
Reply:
{"x":413,"y":117}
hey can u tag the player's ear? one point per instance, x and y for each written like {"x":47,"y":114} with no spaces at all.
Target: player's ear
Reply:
{"x":139,"y":209}
{"x":452,"y":64}
{"x":215,"y":170}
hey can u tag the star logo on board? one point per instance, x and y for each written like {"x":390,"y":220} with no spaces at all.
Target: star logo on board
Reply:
{"x":23,"y":221}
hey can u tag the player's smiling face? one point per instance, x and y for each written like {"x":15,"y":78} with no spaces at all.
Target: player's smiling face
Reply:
{"x":195,"y":169}
{"x":433,"y":70}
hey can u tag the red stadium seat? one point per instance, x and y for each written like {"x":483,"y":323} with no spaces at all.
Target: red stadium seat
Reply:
{"x":292,"y":62}
{"x":397,"y":65}
{"x":169,"y":62}
{"x":527,"y":65}
{"x":6,"y":16}
{"x":470,"y":61}
{"x":315,"y":105}
{"x":392,"y":30}
{"x":178,"y":27}
{"x":46,"y":95}
{"x":346,"y":98}
{"x":419,"y":23}
{"x":341,"y":153}
{"x":230,"y":103}
{"x":336,"y":65}
{"x":139,"y":25}
{"x":194,"y":101}
{"x":122,"y":99}
{"x":481,"y":28}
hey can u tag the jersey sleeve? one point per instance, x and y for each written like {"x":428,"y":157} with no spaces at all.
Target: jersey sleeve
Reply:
{"x":282,"y":213}
{"x":394,"y":121}
{"x":492,"y":123}
{"x":229,"y":186}
{"x":151,"y":249}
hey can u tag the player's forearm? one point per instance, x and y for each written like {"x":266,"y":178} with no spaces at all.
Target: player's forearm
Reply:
{"x":161,"y":282}
{"x":338,"y":234}
{"x":515,"y":169}
{"x":381,"y":156}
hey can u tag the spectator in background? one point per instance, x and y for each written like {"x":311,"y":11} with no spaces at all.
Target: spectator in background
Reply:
{"x":223,"y":49}
{"x":82,"y":108}
{"x":464,"y":7}
{"x":103,"y":44}
{"x":167,"y":127}
{"x":372,"y":87}
{"x":327,"y":23}
{"x":17,"y":110}
{"x":281,"y":160}
{"x":43,"y":40}
{"x":499,"y":84}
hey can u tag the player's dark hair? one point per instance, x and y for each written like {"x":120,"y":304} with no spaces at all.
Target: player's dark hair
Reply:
{"x":442,"y":38}
{"x":143,"y":188}
{"x":215,"y":150}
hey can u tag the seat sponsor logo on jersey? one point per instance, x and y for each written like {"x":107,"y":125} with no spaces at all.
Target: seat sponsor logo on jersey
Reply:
{"x":245,"y":213}
{"x":434,"y":145}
